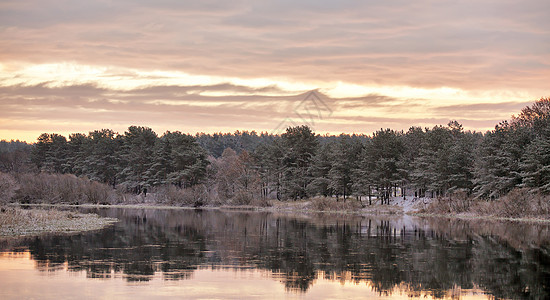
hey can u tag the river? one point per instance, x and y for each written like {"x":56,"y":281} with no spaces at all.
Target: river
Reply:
{"x":198,"y":254}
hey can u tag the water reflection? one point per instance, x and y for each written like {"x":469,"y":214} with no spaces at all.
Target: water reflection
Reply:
{"x":435,"y":257}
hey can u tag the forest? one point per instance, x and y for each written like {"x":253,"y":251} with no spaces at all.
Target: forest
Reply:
{"x":245,"y":167}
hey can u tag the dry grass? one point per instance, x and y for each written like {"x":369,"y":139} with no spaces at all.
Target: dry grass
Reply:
{"x":326,"y":204}
{"x":519,"y":203}
{"x":331,"y":204}
{"x":17,"y":216}
{"x":16,"y":221}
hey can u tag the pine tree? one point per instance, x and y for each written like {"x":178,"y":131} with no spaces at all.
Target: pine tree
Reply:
{"x":189,"y":160}
{"x":102,"y":157}
{"x":380,"y":161}
{"x":137,"y":149}
{"x":161,"y":167}
{"x":260,"y":155}
{"x":77,"y":146}
{"x":361,"y":174}
{"x":300,"y":145}
{"x":497,"y":167}
{"x":412,"y":145}
{"x":535,"y":162}
{"x":50,"y":153}
{"x":270,"y":157}
{"x":345,"y":153}
{"x":460,"y":159}
{"x":319,"y":170}
{"x":535,"y":166}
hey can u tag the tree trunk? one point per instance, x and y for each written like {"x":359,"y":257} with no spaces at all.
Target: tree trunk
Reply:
{"x":370,"y":197}
{"x":344,"y":193}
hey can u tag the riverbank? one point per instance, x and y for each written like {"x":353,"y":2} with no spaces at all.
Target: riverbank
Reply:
{"x":16,"y":222}
{"x":399,"y":207}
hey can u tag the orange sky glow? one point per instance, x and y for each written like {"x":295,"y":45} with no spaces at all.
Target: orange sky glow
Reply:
{"x":218,"y":66}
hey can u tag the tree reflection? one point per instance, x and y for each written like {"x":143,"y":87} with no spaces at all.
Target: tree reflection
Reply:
{"x":432,"y":256}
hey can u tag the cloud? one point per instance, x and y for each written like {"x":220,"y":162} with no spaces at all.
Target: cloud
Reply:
{"x":484,"y":108}
{"x":42,"y":108}
{"x":219,"y":65}
{"x":499,"y":44}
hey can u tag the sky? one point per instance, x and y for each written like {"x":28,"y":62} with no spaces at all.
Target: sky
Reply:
{"x":71,"y":66}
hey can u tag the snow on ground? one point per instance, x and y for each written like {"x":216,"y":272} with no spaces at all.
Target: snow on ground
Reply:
{"x":411,"y":204}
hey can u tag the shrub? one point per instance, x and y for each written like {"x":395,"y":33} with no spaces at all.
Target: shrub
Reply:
{"x":62,"y":188}
{"x":457,"y":202}
{"x":97,"y":193}
{"x":261,"y":202}
{"x":199,"y":195}
{"x":522,"y":203}
{"x":196,"y":195}
{"x":242,"y":198}
{"x":518,"y":203}
{"x":514,"y":205}
{"x":8,"y":186}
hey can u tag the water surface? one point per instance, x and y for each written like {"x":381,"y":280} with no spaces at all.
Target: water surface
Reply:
{"x":154,"y":253}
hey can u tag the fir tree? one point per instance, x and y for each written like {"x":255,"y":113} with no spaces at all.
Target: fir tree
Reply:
{"x":299,"y":144}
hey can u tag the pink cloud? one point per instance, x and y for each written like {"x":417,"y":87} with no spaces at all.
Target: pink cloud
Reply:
{"x":471,"y":46}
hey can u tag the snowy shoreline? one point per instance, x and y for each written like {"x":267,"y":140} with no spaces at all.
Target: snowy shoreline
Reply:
{"x":398,"y":207}
{"x":18,"y":222}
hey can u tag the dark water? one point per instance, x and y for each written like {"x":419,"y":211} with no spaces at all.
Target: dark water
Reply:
{"x":223,"y":254}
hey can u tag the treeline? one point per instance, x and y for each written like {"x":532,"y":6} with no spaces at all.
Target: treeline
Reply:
{"x":14,"y":156}
{"x":246,"y":166}
{"x":136,"y":159}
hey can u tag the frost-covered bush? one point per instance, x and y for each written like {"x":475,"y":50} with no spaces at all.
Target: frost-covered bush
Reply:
{"x":62,"y":188}
{"x":8,"y":186}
